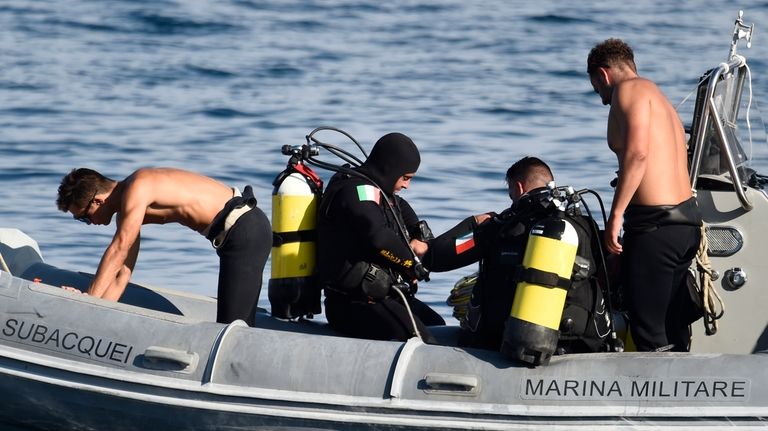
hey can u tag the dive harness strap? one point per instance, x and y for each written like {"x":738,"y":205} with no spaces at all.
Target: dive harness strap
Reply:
{"x":543,"y":278}
{"x":280,"y":238}
{"x":240,"y":204}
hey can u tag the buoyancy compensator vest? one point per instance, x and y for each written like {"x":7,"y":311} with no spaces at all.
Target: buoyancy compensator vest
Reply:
{"x":293,"y":291}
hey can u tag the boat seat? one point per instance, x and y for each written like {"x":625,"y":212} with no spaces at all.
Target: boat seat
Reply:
{"x":303,"y":326}
{"x":445,"y":335}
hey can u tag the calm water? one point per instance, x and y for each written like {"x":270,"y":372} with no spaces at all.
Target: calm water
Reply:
{"x":217,"y":86}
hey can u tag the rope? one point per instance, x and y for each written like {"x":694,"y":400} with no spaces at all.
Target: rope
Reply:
{"x":706,"y":288}
{"x":460,"y":297}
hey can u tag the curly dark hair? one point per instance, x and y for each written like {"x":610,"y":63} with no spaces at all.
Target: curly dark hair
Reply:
{"x":610,"y":52}
{"x":80,"y":185}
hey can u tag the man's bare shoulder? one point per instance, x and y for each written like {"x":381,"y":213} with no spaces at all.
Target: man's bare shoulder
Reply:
{"x":635,"y":92}
{"x":143,"y":174}
{"x":636,"y":86}
{"x":148,"y":173}
{"x":138,"y":188}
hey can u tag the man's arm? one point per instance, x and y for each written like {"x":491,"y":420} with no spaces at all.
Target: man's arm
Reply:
{"x":457,"y":247}
{"x":634,"y":129}
{"x":421,"y":248}
{"x":120,"y":256}
{"x":116,"y":289}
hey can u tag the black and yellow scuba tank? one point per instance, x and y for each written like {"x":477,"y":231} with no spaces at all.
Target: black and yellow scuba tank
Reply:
{"x":297,"y":190}
{"x":532,"y":329}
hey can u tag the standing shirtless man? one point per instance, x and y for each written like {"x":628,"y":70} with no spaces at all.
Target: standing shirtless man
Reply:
{"x":653,"y":198}
{"x":238,"y":230}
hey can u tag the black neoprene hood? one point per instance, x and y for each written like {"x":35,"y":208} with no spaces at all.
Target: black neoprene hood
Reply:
{"x":393,"y":156}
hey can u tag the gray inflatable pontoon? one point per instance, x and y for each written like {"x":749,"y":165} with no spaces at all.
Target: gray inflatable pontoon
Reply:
{"x":156,"y":360}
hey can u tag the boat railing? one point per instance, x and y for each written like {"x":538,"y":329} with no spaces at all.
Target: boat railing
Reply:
{"x":716,"y":116}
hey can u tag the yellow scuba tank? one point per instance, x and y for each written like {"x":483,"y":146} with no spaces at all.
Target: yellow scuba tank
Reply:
{"x":292,"y":290}
{"x":531,"y":330}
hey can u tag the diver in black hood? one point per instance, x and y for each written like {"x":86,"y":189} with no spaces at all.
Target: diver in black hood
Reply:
{"x":364,"y":234}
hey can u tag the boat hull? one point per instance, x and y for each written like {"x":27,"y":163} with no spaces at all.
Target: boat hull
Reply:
{"x":83,"y":363}
{"x":39,"y":402}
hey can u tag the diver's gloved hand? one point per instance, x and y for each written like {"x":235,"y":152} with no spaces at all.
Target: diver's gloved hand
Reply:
{"x":422,"y":274}
{"x":423,"y":232}
{"x":406,"y":288}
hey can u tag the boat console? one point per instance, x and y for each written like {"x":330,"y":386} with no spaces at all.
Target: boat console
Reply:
{"x":732,"y":199}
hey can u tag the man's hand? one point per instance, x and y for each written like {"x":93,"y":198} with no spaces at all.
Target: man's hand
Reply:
{"x":482,"y":218}
{"x":612,"y":230}
{"x":419,"y":247}
{"x":73,"y":290}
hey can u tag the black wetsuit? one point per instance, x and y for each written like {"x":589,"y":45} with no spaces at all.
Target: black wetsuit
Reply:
{"x":242,"y":254}
{"x":357,"y":230}
{"x":659,"y":245}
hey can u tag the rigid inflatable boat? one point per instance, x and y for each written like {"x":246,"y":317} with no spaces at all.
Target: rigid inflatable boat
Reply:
{"x":157,"y":360}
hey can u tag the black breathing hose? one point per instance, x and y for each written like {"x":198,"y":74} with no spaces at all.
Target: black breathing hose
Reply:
{"x":596,"y":232}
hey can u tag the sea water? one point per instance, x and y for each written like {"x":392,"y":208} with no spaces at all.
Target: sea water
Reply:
{"x":218,"y":86}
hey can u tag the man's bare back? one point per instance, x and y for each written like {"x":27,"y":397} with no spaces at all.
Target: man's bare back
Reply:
{"x":173,"y":195}
{"x":640,"y":112}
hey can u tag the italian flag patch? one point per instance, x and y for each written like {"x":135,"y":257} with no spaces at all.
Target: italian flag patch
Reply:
{"x":465,"y":243}
{"x":368,"y":193}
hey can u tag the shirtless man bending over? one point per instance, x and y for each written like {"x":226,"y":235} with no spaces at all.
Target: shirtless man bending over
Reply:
{"x":653,"y":197}
{"x":238,"y":230}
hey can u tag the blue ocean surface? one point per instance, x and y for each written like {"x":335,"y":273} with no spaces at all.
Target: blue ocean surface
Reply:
{"x":218,"y":86}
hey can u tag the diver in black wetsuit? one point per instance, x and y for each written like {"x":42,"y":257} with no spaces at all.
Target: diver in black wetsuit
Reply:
{"x":498,"y":242}
{"x":362,"y":251}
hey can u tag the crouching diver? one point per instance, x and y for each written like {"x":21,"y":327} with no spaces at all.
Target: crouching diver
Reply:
{"x":364,"y":234}
{"x":498,"y":242}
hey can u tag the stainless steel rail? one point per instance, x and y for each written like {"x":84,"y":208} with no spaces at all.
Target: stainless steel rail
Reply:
{"x":710,"y":111}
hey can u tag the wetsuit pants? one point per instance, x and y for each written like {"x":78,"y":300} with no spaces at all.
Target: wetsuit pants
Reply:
{"x":654,"y":267}
{"x":242,"y":257}
{"x":385,"y":319}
